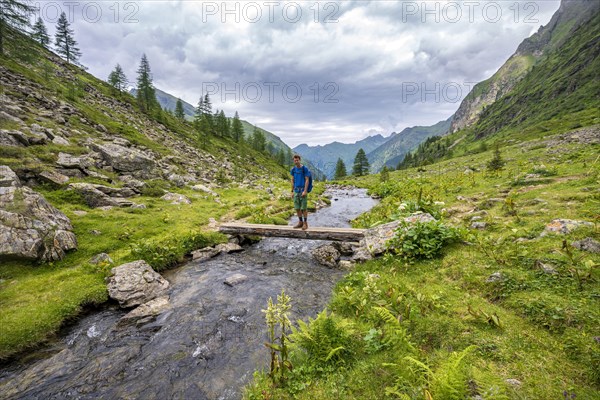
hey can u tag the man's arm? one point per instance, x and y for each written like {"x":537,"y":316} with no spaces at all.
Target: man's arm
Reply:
{"x":305,"y":186}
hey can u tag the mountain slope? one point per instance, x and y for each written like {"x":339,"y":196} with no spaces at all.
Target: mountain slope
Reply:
{"x":325,"y":156}
{"x":530,"y":52}
{"x":394,"y":150}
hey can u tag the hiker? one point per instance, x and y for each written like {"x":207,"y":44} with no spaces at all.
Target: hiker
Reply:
{"x":300,"y":188}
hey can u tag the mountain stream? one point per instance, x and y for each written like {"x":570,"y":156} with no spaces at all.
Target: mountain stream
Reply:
{"x":207,"y":344}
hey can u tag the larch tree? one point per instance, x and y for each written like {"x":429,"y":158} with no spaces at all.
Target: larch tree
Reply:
{"x":146,"y":95}
{"x":179,"y":113}
{"x":237,"y":130}
{"x":117,"y":79}
{"x":64,"y":40}
{"x":40,"y":33}
{"x":14,"y":20}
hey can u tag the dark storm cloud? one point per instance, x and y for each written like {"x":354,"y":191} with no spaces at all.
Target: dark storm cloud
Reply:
{"x":362,"y":67}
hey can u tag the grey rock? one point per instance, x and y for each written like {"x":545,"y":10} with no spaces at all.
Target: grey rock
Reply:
{"x":327,"y":255}
{"x":204,"y":254}
{"x":345,"y":248}
{"x":202,"y":188}
{"x":495,"y":277}
{"x":587,"y":244}
{"x":125,"y":159}
{"x":60,"y":141}
{"x":513,"y":382}
{"x":346,"y":264}
{"x":30,"y":227}
{"x":146,"y":312}
{"x":226,"y":248}
{"x":66,"y":160}
{"x":176,"y":198}
{"x":101,"y":258}
{"x":135,"y":283}
{"x":13,"y":138}
{"x":54,"y":178}
{"x":565,"y":226}
{"x":235,"y":279}
{"x":478,"y":225}
{"x":92,"y":196}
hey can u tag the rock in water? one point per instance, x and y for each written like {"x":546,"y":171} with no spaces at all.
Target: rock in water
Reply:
{"x":30,"y":227}
{"x":135,"y":283}
{"x":327,"y":255}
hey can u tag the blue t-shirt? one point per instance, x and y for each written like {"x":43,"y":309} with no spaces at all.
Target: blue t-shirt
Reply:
{"x":299,"y":176}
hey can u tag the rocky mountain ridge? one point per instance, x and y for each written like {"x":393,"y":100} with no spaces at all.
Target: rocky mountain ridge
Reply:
{"x":570,"y":15}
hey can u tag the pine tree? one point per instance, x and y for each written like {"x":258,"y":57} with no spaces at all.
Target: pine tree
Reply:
{"x":179,"y":113}
{"x":40,"y":33}
{"x":361,"y":164}
{"x":117,"y":79}
{"x":198,"y":114}
{"x":65,"y":44}
{"x":340,"y":170}
{"x":208,"y":120}
{"x":14,"y":19}
{"x":237,"y":130}
{"x":146,"y":94}
{"x":259,"y":142}
{"x":221,"y":124}
{"x":280,"y":157}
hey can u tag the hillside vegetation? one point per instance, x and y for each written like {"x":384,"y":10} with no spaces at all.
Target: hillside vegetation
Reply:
{"x":63,"y":113}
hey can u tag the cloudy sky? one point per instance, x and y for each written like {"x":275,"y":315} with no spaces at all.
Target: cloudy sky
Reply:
{"x":309,"y":71}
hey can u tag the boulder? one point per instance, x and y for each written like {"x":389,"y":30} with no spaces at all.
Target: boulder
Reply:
{"x":229,"y":248}
{"x":101,"y":258}
{"x":327,"y":255}
{"x":375,"y":240}
{"x":60,"y":141}
{"x":235,"y":279}
{"x":54,"y":177}
{"x":176,"y":198}
{"x":92,"y":196}
{"x":202,"y":188}
{"x":66,"y":160}
{"x":30,"y":227}
{"x":135,"y":283}
{"x":124,"y":159}
{"x":204,"y":254}
{"x":145,"y":313}
{"x":13,"y":138}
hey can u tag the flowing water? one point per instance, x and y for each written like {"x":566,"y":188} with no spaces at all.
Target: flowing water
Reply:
{"x":207,"y":344}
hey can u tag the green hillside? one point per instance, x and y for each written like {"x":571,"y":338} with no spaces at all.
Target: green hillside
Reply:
{"x":54,"y":120}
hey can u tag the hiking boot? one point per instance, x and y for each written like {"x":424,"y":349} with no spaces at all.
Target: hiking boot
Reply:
{"x":298,"y":225}
{"x":304,"y":226}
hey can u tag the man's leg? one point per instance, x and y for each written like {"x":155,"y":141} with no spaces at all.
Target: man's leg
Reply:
{"x":299,"y":224}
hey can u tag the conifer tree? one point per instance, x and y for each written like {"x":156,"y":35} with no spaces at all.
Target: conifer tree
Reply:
{"x":14,"y":18}
{"x":221,"y":124}
{"x":146,"y":94}
{"x":40,"y":33}
{"x":117,"y":79}
{"x":259,"y":142}
{"x":207,"y":116}
{"x":237,"y":130}
{"x":496,"y":163}
{"x":65,"y":43}
{"x":280,"y":157}
{"x":361,"y":164}
{"x":179,"y":113}
{"x":340,"y":170}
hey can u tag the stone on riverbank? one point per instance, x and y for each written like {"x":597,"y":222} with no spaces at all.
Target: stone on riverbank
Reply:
{"x":135,"y":283}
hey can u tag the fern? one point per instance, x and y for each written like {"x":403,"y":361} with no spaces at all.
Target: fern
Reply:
{"x":395,"y":333}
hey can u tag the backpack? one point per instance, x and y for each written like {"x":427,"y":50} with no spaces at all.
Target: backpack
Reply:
{"x":305,"y":173}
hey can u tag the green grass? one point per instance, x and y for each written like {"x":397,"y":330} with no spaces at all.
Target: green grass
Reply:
{"x":536,"y":327}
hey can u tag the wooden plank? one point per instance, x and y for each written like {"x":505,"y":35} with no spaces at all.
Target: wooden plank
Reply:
{"x":313,"y":233}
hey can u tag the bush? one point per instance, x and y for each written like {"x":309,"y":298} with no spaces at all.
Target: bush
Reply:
{"x":422,"y":240}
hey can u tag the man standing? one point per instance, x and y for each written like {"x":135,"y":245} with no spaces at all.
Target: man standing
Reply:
{"x":300,"y":176}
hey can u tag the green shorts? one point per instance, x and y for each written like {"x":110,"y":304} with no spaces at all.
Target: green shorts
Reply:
{"x":300,"y":203}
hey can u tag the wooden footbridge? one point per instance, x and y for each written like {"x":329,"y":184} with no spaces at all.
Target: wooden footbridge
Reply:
{"x":316,"y":233}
